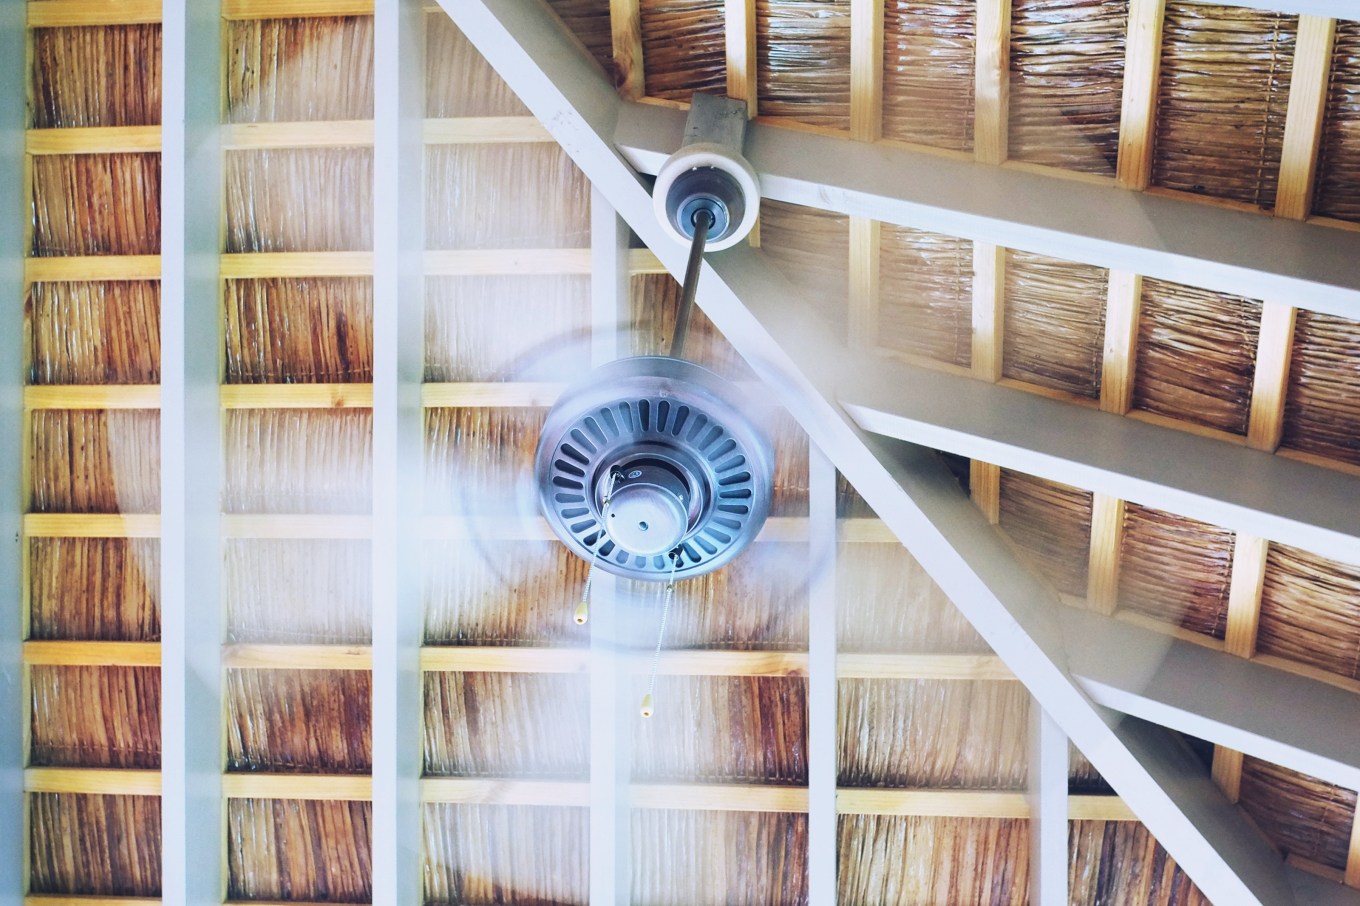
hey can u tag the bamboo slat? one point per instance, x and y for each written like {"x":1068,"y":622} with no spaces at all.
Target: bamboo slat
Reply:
{"x":87,"y":333}
{"x":1302,"y":815}
{"x":94,"y":461}
{"x":91,"y":845}
{"x":93,"y":83}
{"x":458,"y":80}
{"x":812,"y":248}
{"x":96,"y":204}
{"x":1054,"y":324}
{"x":298,"y":721}
{"x":283,"y":68}
{"x":1119,"y":863}
{"x":313,"y":593}
{"x":683,"y":43}
{"x":1337,"y":184}
{"x":1176,"y":570}
{"x":888,"y":605}
{"x":93,"y":589}
{"x":480,"y":461}
{"x":928,"y":71}
{"x":926,"y":295}
{"x":299,"y":200}
{"x":1322,"y":406}
{"x":589,"y":21}
{"x":803,"y":54}
{"x":1051,"y":524}
{"x":503,"y":854}
{"x":304,"y":461}
{"x":1310,"y":611}
{"x":685,"y":857}
{"x":297,"y":849}
{"x":1304,"y":116}
{"x":93,"y":140}
{"x":105,"y":717}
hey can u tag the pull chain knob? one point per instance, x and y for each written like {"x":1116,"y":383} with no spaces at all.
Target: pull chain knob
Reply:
{"x":582,"y":612}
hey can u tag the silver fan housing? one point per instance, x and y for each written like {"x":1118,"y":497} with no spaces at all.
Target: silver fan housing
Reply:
{"x":653,"y":458}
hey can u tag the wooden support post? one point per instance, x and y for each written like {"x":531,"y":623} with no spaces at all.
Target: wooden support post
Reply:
{"x":1303,"y":119}
{"x":866,"y":70}
{"x":1142,"y":68}
{"x":1107,"y":535}
{"x":1121,"y":341}
{"x":865,"y":237}
{"x":625,"y":22}
{"x":991,"y":115}
{"x":741,"y":52}
{"x":1274,"y":348}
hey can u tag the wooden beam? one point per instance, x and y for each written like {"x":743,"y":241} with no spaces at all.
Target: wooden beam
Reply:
{"x":92,"y":267}
{"x":1107,"y":537}
{"x":866,"y":70}
{"x":991,"y":116}
{"x":644,"y":261}
{"x":500,"y":791}
{"x":740,"y":39}
{"x":984,"y":487}
{"x":625,"y":24}
{"x":1270,"y":383}
{"x":93,"y":781}
{"x":92,"y":654}
{"x":1142,"y":68}
{"x":864,"y":530}
{"x":92,"y":525}
{"x":492,"y":262}
{"x":864,"y":268}
{"x":479,"y":395}
{"x":296,"y":264}
{"x":503,"y":659}
{"x":922,"y":666}
{"x":476,"y":130}
{"x":1227,"y":772}
{"x":93,"y":139}
{"x":724,"y":663}
{"x":327,"y":787}
{"x":92,"y":396}
{"x":719,"y":797}
{"x":53,"y":899}
{"x":1123,"y":301}
{"x":293,"y":9}
{"x":1352,"y":878}
{"x":66,"y":13}
{"x":989,"y":309}
{"x":1244,"y":594}
{"x":316,"y":134}
{"x":297,"y":396}
{"x":1099,"y":808}
{"x":1303,"y":119}
{"x":297,"y":657}
{"x":253,"y":525}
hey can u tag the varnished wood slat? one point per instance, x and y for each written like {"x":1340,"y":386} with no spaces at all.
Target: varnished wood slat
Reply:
{"x":476,"y":130}
{"x":724,"y":797}
{"x":1270,"y":383}
{"x":864,"y":267}
{"x":971,"y":804}
{"x":984,"y":486}
{"x":252,"y":525}
{"x":866,"y":70}
{"x":296,"y":264}
{"x":922,"y":666}
{"x":1304,"y":116}
{"x":92,"y":267}
{"x":1352,"y":877}
{"x":297,"y":657}
{"x":644,"y":261}
{"x":93,"y":140}
{"x":1227,"y":772}
{"x":1099,"y":808}
{"x":740,"y":46}
{"x":64,"y":13}
{"x":865,"y":531}
{"x":1124,"y":299}
{"x":1107,"y":536}
{"x":492,"y":394}
{"x":92,"y":525}
{"x":499,"y":791}
{"x":505,"y":659}
{"x":297,"y":396}
{"x":991,"y":116}
{"x":325,"y":787}
{"x":1244,"y":594}
{"x":989,"y":309}
{"x":725,"y":663}
{"x":53,"y":899}
{"x":93,"y":781}
{"x":625,"y":25}
{"x":91,"y":653}
{"x":92,"y":396}
{"x":490,"y":262}
{"x":292,"y":9}
{"x":319,"y":134}
{"x":1142,"y":67}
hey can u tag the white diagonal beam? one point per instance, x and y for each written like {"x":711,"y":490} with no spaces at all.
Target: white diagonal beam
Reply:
{"x":914,"y":494}
{"x":1169,"y":238}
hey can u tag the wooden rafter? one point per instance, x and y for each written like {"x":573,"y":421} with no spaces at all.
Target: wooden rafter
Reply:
{"x":866,"y":70}
{"x":1270,"y":383}
{"x":1107,"y":535}
{"x":1142,"y":67}
{"x":625,"y":25}
{"x":740,"y":45}
{"x":991,"y":117}
{"x":1123,"y":302}
{"x":1303,"y":118}
{"x":865,"y":237}
{"x":1244,"y":614}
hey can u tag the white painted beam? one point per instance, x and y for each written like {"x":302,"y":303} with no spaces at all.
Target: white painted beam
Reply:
{"x":1168,"y":238}
{"x":823,"y":734}
{"x":1048,"y":810}
{"x":1246,"y":490}
{"x":192,"y":821}
{"x":398,"y":443}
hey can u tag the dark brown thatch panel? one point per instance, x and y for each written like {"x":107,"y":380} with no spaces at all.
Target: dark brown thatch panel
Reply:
{"x":1118,"y":863}
{"x":933,"y":734}
{"x":483,"y":592}
{"x":1082,"y":776}
{"x":811,"y":248}
{"x":287,"y":849}
{"x":1051,"y":524}
{"x":1337,"y":190}
{"x":589,"y":21}
{"x":105,"y":589}
{"x":94,"y":333}
{"x":1322,"y":410}
{"x":507,"y":724}
{"x":1310,"y":611}
{"x":1067,"y":82}
{"x":480,"y":462}
{"x":298,"y":461}
{"x":759,"y":601}
{"x":84,"y":845}
{"x":684,"y":48}
{"x":654,"y":303}
{"x":511,"y":855}
{"x":298,"y":591}
{"x":723,"y":729}
{"x":299,"y":721}
{"x":466,"y":337}
{"x":1055,"y":323}
{"x":1221,"y":100}
{"x":299,"y":330}
{"x":681,"y":858}
{"x":1175,"y":569}
{"x":925,"y":301}
{"x":803,"y":60}
{"x":888,"y":603}
{"x":848,"y":502}
{"x":96,"y":76}
{"x":515,"y":196}
{"x":1196,"y":355}
{"x":1302,"y":815}
{"x":286,"y":70}
{"x":458,"y":80}
{"x":95,"y":461}
{"x":928,"y":72}
{"x":893,"y":859}
{"x":96,"y":204}
{"x":98,"y":717}
{"x":299,"y":200}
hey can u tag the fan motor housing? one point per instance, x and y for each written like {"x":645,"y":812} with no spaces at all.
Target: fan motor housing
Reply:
{"x":653,"y":458}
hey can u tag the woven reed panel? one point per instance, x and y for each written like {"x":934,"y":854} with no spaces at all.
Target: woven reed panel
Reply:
{"x":1322,"y":408}
{"x":1082,"y":776}
{"x":929,"y":60}
{"x":299,"y":721}
{"x":299,"y":200}
{"x":803,"y":60}
{"x":897,"y":859}
{"x":299,"y":591}
{"x":507,"y":725}
{"x":654,"y":303}
{"x":925,"y":295}
{"x":505,"y":854}
{"x":812,"y":248}
{"x":1302,"y":815}
{"x":1051,"y":524}
{"x":288,"y":849}
{"x":94,"y":461}
{"x":1310,"y":611}
{"x":515,"y":196}
{"x":888,"y":603}
{"x":589,"y":21}
{"x":1221,"y":101}
{"x":1055,"y":323}
{"x":299,"y":330}
{"x":298,"y":461}
{"x":96,"y":76}
{"x":1196,"y":355}
{"x":96,"y":204}
{"x":684,"y":48}
{"x":480,"y":462}
{"x":682,"y":858}
{"x":85,"y":845}
{"x":291,"y":70}
{"x":458,"y":80}
{"x":105,"y":589}
{"x":94,"y":333}
{"x":1337,"y":190}
{"x":1118,"y":863}
{"x":849,"y":504}
{"x":96,"y":717}
{"x":1067,"y":82}
{"x":1176,"y":570}
{"x":933,"y":734}
{"x":466,"y":335}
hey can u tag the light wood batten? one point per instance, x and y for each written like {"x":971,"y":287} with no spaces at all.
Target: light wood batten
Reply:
{"x":1107,"y":537}
{"x":1304,"y":116}
{"x":864,"y":265}
{"x":991,"y":116}
{"x":625,"y":23}
{"x":1138,"y":110}
{"x":740,"y":46}
{"x":866,"y":70}
{"x":1270,"y":383}
{"x":1121,"y":341}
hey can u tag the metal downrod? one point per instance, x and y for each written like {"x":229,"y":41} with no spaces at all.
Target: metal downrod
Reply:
{"x":703,"y":222}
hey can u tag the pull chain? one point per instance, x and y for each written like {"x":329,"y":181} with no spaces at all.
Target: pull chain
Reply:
{"x":649,"y":700}
{"x":583,"y":609}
